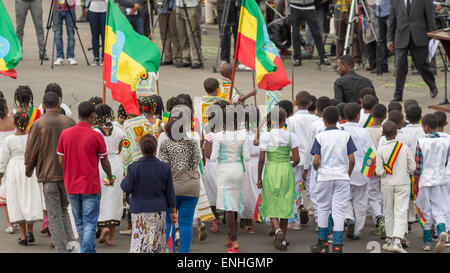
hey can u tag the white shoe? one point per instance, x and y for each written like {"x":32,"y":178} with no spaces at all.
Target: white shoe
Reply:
{"x":440,"y":246}
{"x":125,"y":232}
{"x":59,"y":61}
{"x":72,"y":61}
{"x":243,"y":67}
{"x":387,"y":247}
{"x":9,"y":230}
{"x":397,"y":248}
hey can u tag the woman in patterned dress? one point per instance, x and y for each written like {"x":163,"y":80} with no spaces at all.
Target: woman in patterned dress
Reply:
{"x":149,"y":199}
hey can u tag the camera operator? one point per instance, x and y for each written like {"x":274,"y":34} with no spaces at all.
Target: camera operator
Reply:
{"x":133,"y":10}
{"x":64,"y":10}
{"x":369,"y":36}
{"x":189,"y":38}
{"x":168,"y":33}
{"x":233,"y":21}
{"x":341,"y":14}
{"x":305,"y":10}
{"x":382,"y":12}
{"x":280,"y":34}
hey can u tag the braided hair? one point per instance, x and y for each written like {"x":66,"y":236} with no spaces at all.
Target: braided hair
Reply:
{"x":105,"y":115}
{"x":148,"y":105}
{"x":21,"y":120}
{"x":23,"y":97}
{"x":3,"y":108}
{"x":159,"y":105}
{"x":95,"y":100}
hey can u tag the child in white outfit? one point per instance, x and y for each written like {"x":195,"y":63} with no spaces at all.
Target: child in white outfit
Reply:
{"x":395,"y":186}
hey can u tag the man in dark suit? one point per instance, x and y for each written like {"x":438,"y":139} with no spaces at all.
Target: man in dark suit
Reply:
{"x":409,"y":22}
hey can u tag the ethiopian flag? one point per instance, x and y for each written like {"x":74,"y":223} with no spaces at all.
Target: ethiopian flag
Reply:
{"x":368,"y":167}
{"x":128,"y":56}
{"x":10,"y":48}
{"x":255,"y":50}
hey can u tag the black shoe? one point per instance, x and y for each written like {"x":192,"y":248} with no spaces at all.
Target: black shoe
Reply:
{"x":45,"y":58}
{"x":433,"y":93}
{"x":98,"y":233}
{"x":30,"y":237}
{"x":283,"y":247}
{"x":396,"y":99}
{"x":196,"y":66}
{"x":320,"y":247}
{"x":278,"y":238}
{"x":297,"y":62}
{"x":167,"y":62}
{"x":351,"y":229}
{"x":383,"y":70}
{"x":353,"y":237}
{"x":181,"y":64}
{"x":303,"y":215}
{"x":324,"y":61}
{"x":23,"y":242}
{"x":337,"y":249}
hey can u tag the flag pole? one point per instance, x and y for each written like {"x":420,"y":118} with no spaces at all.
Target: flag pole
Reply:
{"x":292,"y":67}
{"x":104,"y":92}
{"x":254,"y":84}
{"x":235,"y":54}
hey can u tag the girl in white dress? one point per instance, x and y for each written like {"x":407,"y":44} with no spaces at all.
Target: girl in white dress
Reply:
{"x":111,"y":203}
{"x":250,"y":190}
{"x":23,"y":193}
{"x":230,"y":149}
{"x":6,"y":129}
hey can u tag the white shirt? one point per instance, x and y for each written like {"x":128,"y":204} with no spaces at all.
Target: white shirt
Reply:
{"x":447,"y":169}
{"x":277,"y":137}
{"x":413,"y":133}
{"x":363,"y":117}
{"x":334,"y":160}
{"x":97,"y":6}
{"x":300,"y":124}
{"x":403,"y":167}
{"x":362,"y":140}
{"x":401,"y":136}
{"x":375,"y":133}
{"x":436,"y":154}
{"x":316,"y":127}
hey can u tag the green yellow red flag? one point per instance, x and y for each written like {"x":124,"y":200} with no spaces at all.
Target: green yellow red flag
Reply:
{"x":128,"y":56}
{"x":10,"y":48}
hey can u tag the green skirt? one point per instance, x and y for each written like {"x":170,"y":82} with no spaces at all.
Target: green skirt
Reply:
{"x":278,"y":191}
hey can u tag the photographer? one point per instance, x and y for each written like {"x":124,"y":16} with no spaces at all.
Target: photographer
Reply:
{"x":169,"y":34}
{"x":133,"y":10}
{"x":280,"y":34}
{"x":189,"y":38}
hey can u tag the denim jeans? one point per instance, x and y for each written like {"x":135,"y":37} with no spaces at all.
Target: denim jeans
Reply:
{"x":137,"y":21}
{"x":97,"y":22}
{"x":85,"y":209}
{"x":185,"y":208}
{"x":58,"y":18}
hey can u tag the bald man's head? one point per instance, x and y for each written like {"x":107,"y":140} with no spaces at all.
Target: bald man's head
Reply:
{"x":226,"y":69}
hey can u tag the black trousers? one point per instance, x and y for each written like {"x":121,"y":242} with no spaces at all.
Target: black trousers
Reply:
{"x":382,"y":33}
{"x":419,"y":56}
{"x":310,"y":16}
{"x":233,"y":22}
{"x":371,"y":50}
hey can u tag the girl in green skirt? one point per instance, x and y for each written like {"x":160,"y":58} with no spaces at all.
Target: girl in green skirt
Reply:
{"x":278,"y":186}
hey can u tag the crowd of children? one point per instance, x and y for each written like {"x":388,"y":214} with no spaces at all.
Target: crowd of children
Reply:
{"x":351,"y":159}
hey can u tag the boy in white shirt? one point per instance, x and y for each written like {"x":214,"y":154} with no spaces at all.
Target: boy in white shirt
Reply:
{"x":56,"y":88}
{"x":413,"y":131}
{"x":375,"y":199}
{"x":395,"y":186}
{"x":441,"y":123}
{"x":432,"y":154}
{"x":300,"y":124}
{"x":316,"y":127}
{"x":356,"y":211}
{"x":333,"y":151}
{"x":366,"y":117}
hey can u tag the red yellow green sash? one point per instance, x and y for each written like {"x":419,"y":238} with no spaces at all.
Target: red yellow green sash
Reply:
{"x":369,"y":121}
{"x":390,"y":164}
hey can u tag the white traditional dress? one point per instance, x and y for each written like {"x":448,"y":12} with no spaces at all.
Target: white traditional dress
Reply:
{"x":111,"y":202}
{"x":250,"y":190}
{"x":23,"y":193}
{"x":230,"y":149}
{"x":3,"y":135}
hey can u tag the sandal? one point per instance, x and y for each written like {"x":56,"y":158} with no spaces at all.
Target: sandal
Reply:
{"x":251,"y":229}
{"x":105,"y":232}
{"x":214,"y":226}
{"x":110,"y":243}
{"x":23,"y":242}
{"x":234,"y":248}
{"x":228,"y":242}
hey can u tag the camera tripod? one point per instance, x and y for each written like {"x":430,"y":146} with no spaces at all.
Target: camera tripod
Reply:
{"x":352,"y":19}
{"x":184,"y":7}
{"x":51,"y":14}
